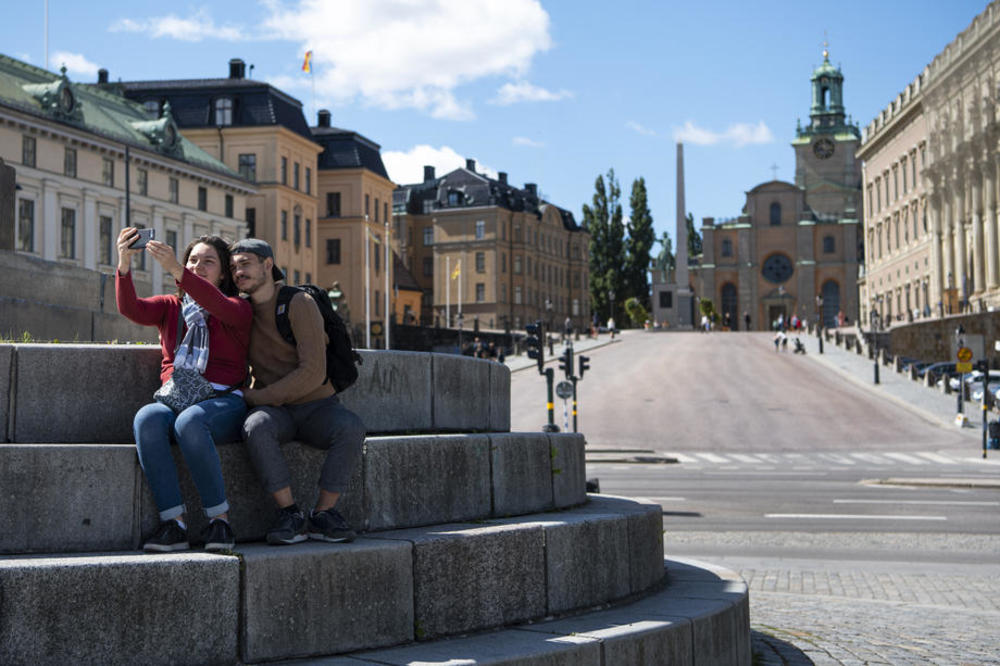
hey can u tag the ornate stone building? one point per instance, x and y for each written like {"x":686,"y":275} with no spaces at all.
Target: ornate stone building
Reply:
{"x":794,"y":249}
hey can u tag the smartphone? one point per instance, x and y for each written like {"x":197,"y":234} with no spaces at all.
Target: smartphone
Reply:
{"x":145,"y":235}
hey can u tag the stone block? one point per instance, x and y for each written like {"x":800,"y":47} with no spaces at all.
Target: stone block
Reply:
{"x":72,"y":393}
{"x":461,"y":393}
{"x":514,"y":646}
{"x":645,"y":536}
{"x":251,"y":508}
{"x":720,"y":628}
{"x":569,"y":469}
{"x":142,"y":609}
{"x":467,"y":578}
{"x":424,"y":480}
{"x":322,"y":598}
{"x":6,"y":395}
{"x":64,"y":498}
{"x":394,"y":392}
{"x":499,"y":398}
{"x":522,"y":473}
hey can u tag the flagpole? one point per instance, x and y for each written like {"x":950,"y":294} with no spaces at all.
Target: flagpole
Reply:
{"x":447,"y":291}
{"x":368,"y":288}
{"x":387,"y":284}
{"x":460,"y":290}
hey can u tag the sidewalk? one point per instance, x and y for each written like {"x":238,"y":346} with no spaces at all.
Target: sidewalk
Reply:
{"x":584,"y":344}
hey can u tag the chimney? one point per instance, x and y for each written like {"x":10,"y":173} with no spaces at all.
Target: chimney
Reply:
{"x":428,"y":173}
{"x":102,"y":76}
{"x":237,"y":68}
{"x":323,"y":118}
{"x":503,"y":177}
{"x":470,"y":165}
{"x":532,"y":189}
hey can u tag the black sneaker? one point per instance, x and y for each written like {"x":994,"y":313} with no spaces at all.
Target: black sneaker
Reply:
{"x":168,"y":537}
{"x":330,"y":526}
{"x":288,"y":528}
{"x":219,"y":536}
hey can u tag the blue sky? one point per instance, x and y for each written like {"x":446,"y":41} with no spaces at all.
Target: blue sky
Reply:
{"x":554,"y":92}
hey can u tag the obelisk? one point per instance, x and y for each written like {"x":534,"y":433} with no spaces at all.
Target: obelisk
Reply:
{"x":684,"y":312}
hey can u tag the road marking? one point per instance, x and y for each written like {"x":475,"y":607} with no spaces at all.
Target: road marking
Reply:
{"x":942,"y":502}
{"x":905,"y":458}
{"x":840,"y":460}
{"x":933,"y":457}
{"x":745,"y":458}
{"x":663,"y":499}
{"x":868,"y":458}
{"x":849,"y":516}
{"x":681,"y":457}
{"x":712,"y":458}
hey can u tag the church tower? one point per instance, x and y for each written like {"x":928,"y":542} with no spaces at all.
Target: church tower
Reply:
{"x":825,"y":166}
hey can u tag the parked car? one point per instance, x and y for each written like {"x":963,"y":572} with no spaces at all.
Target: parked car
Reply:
{"x":937,"y":369}
{"x":974,"y":377}
{"x":977,"y":393}
{"x":916,"y":365}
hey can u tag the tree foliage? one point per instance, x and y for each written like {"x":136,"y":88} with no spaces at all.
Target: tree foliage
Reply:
{"x":607,"y":246}
{"x":638,"y":314}
{"x":640,"y":244}
{"x":694,"y":238}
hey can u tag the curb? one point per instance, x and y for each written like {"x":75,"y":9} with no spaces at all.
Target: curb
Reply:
{"x":936,"y":483}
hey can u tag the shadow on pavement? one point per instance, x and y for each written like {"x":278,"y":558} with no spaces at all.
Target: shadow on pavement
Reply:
{"x":770,"y":651}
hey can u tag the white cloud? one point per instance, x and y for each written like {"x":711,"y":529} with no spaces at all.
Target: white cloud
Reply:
{"x":522,"y":91}
{"x":528,"y":143}
{"x":411,"y":53}
{"x":197,"y":27}
{"x":408,"y":167}
{"x":738,"y":134}
{"x":636,"y":127}
{"x":76,"y":63}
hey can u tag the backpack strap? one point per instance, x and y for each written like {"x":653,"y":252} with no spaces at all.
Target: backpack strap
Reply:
{"x":285,"y":295}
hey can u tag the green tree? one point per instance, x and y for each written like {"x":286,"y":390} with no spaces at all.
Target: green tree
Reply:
{"x":640,"y":244}
{"x":666,"y":261}
{"x":636,"y":312}
{"x":694,"y":238}
{"x":607,"y":246}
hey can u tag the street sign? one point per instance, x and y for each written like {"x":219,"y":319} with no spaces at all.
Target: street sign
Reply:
{"x":564,"y":390}
{"x":964,"y":354}
{"x":963,"y":367}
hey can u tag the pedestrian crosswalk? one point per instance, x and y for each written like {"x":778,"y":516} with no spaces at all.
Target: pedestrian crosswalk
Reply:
{"x":825,"y":459}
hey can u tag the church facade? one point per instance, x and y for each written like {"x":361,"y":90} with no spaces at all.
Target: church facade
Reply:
{"x":795,"y":248}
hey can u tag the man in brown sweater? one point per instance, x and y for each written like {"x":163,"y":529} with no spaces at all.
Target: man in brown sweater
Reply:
{"x":292,"y":399}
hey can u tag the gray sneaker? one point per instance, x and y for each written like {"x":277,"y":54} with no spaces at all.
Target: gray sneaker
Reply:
{"x":288,"y":528}
{"x":330,"y":526}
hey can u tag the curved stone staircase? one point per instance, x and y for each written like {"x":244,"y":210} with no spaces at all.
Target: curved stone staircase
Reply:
{"x":468,"y":528}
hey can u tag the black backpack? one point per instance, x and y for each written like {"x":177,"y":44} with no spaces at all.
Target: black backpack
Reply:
{"x":340,"y":355}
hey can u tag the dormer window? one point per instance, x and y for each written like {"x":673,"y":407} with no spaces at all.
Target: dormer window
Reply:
{"x":223,"y":111}
{"x":152,"y":107}
{"x":454,"y":198}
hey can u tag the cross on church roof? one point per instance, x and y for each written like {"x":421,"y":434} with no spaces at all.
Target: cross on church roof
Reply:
{"x":774,"y":170}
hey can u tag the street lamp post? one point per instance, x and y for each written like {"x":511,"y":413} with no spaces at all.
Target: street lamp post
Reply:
{"x":875,"y":317}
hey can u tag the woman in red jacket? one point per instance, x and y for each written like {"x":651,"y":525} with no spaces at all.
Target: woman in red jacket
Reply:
{"x":215,"y":340}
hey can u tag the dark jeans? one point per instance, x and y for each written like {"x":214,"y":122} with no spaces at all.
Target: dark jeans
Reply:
{"x":322,"y":424}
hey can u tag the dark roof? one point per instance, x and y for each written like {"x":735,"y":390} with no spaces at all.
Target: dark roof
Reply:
{"x":403,"y":278}
{"x":473,"y":189}
{"x":346,"y":149}
{"x":255,"y":103}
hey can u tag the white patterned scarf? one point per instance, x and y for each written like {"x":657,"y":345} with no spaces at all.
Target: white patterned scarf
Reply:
{"x":193,"y":350}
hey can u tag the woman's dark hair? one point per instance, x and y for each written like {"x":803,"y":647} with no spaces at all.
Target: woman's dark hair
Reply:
{"x":227,"y":286}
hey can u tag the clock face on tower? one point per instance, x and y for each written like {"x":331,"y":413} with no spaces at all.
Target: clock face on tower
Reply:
{"x":823,"y":148}
{"x":777,"y":268}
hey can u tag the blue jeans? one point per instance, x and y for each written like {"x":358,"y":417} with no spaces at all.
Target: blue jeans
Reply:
{"x":195,"y":431}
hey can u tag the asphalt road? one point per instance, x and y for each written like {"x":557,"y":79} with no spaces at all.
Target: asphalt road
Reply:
{"x":778,"y":458}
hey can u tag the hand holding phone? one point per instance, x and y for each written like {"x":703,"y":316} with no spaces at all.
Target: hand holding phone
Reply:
{"x":144,"y":236}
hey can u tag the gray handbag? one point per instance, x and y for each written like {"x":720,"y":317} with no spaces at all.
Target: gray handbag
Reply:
{"x":186,"y":386}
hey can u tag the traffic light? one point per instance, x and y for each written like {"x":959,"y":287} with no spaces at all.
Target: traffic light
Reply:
{"x":566,"y":362}
{"x":536,"y":349}
{"x":584,"y":364}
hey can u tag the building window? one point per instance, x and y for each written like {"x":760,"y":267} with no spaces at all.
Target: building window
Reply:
{"x":378,"y":253}
{"x":223,"y":111}
{"x":174,"y":191}
{"x":333,"y":204}
{"x":248,"y":166}
{"x":295,"y":175}
{"x":517,"y":265}
{"x":171,"y":238}
{"x":367,"y":206}
{"x":480,"y":229}
{"x":454,"y":198}
{"x":428,"y":266}
{"x":829,"y":245}
{"x":108,"y":171}
{"x":251,"y":222}
{"x":871,"y":203}
{"x":727,"y":247}
{"x":775,"y":214}
{"x":284,"y":225}
{"x":878,"y":194}
{"x":202,"y":198}
{"x":309,"y":277}
{"x":503,"y":262}
{"x":142,"y":181}
{"x":333,"y":251}
{"x":517,"y":294}
{"x":284,"y":171}
{"x":296,"y":230}
{"x":480,"y":292}
{"x":309,"y":180}
{"x":105,"y":240}
{"x":385,"y":210}
{"x":309,"y":233}
{"x":26,"y":225}
{"x":298,"y":278}
{"x":480,"y":262}
{"x":28,"y":151}
{"x":376,"y":209}
{"x":69,"y":163}
{"x":68,"y":234}
{"x":428,"y":236}
{"x":903,"y":169}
